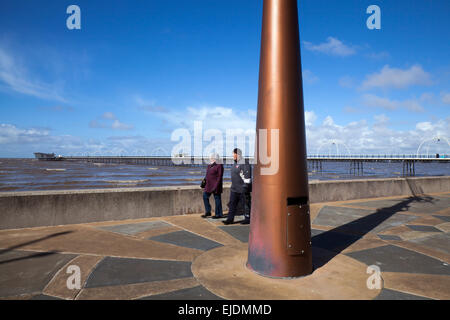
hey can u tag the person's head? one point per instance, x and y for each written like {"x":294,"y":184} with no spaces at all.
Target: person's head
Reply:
{"x":237,"y":154}
{"x":214,"y":157}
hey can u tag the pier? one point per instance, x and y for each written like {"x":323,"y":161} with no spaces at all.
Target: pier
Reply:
{"x":315,"y":162}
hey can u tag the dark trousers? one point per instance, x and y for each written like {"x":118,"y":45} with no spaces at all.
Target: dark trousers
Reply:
{"x":218,"y":202}
{"x":237,"y":199}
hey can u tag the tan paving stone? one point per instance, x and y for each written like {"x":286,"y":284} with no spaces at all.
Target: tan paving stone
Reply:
{"x":341,"y":278}
{"x":416,"y":234}
{"x":364,"y":244}
{"x":202,"y":228}
{"x":156,"y":232}
{"x":319,"y":227}
{"x":426,"y":221}
{"x":90,"y":241}
{"x":396,"y":231}
{"x":135,"y":291}
{"x":58,"y":285}
{"x":445,"y":227}
{"x":20,"y":297}
{"x":444,"y":212}
{"x":430,"y":286}
{"x":314,"y":210}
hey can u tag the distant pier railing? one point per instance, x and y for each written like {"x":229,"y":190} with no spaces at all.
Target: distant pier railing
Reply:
{"x":316,"y":160}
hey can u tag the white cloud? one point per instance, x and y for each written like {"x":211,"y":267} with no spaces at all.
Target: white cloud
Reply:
{"x":397,"y":78}
{"x":310,"y":118}
{"x":108,"y":120}
{"x":381,"y":119}
{"x":445,"y":97}
{"x":15,"y":77}
{"x":378,"y":56}
{"x":374,"y":101}
{"x":309,"y":77}
{"x":11,"y":134}
{"x":332,"y":46}
{"x":361,"y":138}
{"x":109,"y":116}
{"x":346,"y":82}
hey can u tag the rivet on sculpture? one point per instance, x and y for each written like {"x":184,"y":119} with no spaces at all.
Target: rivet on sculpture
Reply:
{"x":280,"y":231}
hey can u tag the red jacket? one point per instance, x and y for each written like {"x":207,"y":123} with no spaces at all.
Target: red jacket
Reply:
{"x":214,"y":177}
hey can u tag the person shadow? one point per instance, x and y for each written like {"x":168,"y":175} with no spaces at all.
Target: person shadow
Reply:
{"x":336,"y":240}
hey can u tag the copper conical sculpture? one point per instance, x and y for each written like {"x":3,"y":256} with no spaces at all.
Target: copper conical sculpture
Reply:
{"x":280,"y":231}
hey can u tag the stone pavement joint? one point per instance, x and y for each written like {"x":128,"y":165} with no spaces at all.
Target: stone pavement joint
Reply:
{"x":187,"y":257}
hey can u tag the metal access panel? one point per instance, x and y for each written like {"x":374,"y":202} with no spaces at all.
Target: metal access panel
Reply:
{"x":297,"y":229}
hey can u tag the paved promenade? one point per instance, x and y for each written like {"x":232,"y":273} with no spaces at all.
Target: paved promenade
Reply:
{"x":187,"y":257}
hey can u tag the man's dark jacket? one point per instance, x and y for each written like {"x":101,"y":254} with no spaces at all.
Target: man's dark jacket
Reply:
{"x":237,"y":184}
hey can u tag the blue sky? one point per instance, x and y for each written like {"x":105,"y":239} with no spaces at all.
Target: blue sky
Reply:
{"x":138,"y":70}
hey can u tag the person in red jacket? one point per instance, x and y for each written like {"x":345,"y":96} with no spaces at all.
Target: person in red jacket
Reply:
{"x":214,"y":185}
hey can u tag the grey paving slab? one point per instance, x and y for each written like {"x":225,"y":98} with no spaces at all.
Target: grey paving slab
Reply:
{"x":336,"y":216}
{"x":134,"y":228}
{"x":391,"y":258}
{"x":239,"y":232}
{"x":359,"y":220}
{"x":424,"y":204}
{"x":388,"y":237}
{"x":119,"y":271}
{"x":443,"y":218}
{"x":440,"y":242}
{"x":29,"y":272}
{"x":196,"y":293}
{"x":388,"y":294}
{"x":187,"y":239}
{"x":423,"y":228}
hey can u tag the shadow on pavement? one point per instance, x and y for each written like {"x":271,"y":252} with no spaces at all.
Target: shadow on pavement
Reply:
{"x":36,"y":255}
{"x":338,"y":239}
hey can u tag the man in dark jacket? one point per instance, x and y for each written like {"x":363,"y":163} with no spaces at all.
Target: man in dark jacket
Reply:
{"x":241,"y":176}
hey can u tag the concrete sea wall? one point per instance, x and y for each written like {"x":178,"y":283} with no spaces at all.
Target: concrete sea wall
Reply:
{"x":51,"y":208}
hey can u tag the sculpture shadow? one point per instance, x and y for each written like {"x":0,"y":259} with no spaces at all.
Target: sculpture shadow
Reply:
{"x":34,"y":255}
{"x":336,"y":240}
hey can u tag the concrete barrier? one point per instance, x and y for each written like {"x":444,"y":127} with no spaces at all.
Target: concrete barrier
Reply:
{"x":51,"y":208}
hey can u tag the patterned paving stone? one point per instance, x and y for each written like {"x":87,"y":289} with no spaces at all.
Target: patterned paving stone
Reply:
{"x":423,"y":228}
{"x":388,"y":237}
{"x":336,"y":216}
{"x":134,"y":228}
{"x":440,"y":242}
{"x":187,"y":239}
{"x":443,"y":218}
{"x":424,"y":204}
{"x":119,"y":271}
{"x":24,"y":272}
{"x":360,"y":221}
{"x":239,"y":232}
{"x":391,"y":258}
{"x":196,"y":293}
{"x":388,"y":294}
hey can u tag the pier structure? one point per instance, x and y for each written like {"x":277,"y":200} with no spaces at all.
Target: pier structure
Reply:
{"x":315,"y":162}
